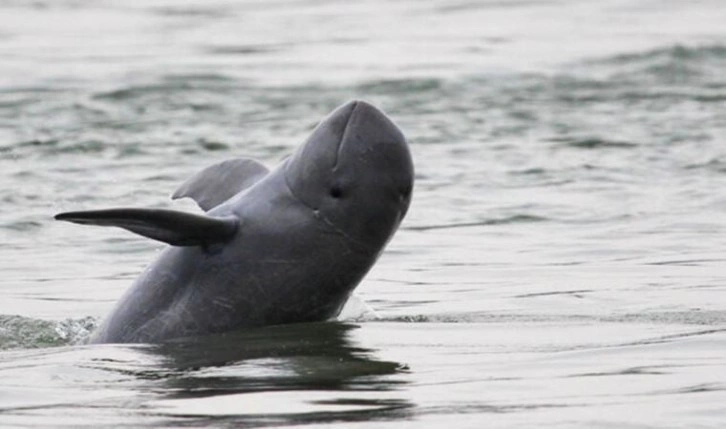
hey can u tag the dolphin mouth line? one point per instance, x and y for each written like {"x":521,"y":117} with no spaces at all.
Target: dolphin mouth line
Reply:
{"x":340,"y":232}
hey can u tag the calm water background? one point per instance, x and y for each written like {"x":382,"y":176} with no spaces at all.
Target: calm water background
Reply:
{"x":562,"y":264}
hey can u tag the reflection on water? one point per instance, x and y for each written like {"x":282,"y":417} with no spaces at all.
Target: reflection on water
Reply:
{"x":309,"y":355}
{"x":251,"y":377}
{"x":342,"y":381}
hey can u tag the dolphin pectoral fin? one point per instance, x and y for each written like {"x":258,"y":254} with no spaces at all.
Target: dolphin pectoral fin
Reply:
{"x":173,"y":227}
{"x":219,"y":182}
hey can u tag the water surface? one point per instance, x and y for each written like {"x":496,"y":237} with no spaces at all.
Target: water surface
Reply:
{"x":561,"y":264}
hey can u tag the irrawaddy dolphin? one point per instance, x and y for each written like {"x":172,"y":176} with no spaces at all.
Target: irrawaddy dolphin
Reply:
{"x":274,"y":247}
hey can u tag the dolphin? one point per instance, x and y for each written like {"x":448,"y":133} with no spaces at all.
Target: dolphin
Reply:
{"x":273,"y":247}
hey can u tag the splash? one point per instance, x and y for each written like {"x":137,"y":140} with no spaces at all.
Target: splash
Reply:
{"x":18,"y":332}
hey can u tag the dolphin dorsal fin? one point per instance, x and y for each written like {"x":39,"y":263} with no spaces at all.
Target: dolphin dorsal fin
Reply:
{"x":220,"y":182}
{"x":170,"y":226}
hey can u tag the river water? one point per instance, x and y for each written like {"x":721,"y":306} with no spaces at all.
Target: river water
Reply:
{"x":561,"y":266}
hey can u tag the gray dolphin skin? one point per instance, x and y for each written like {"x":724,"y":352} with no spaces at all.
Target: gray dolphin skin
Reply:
{"x":274,"y":247}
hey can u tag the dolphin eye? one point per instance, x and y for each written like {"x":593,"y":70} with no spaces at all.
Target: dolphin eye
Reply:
{"x":336,"y":192}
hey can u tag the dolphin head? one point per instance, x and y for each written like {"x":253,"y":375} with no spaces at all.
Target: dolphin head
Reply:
{"x":355,"y":172}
